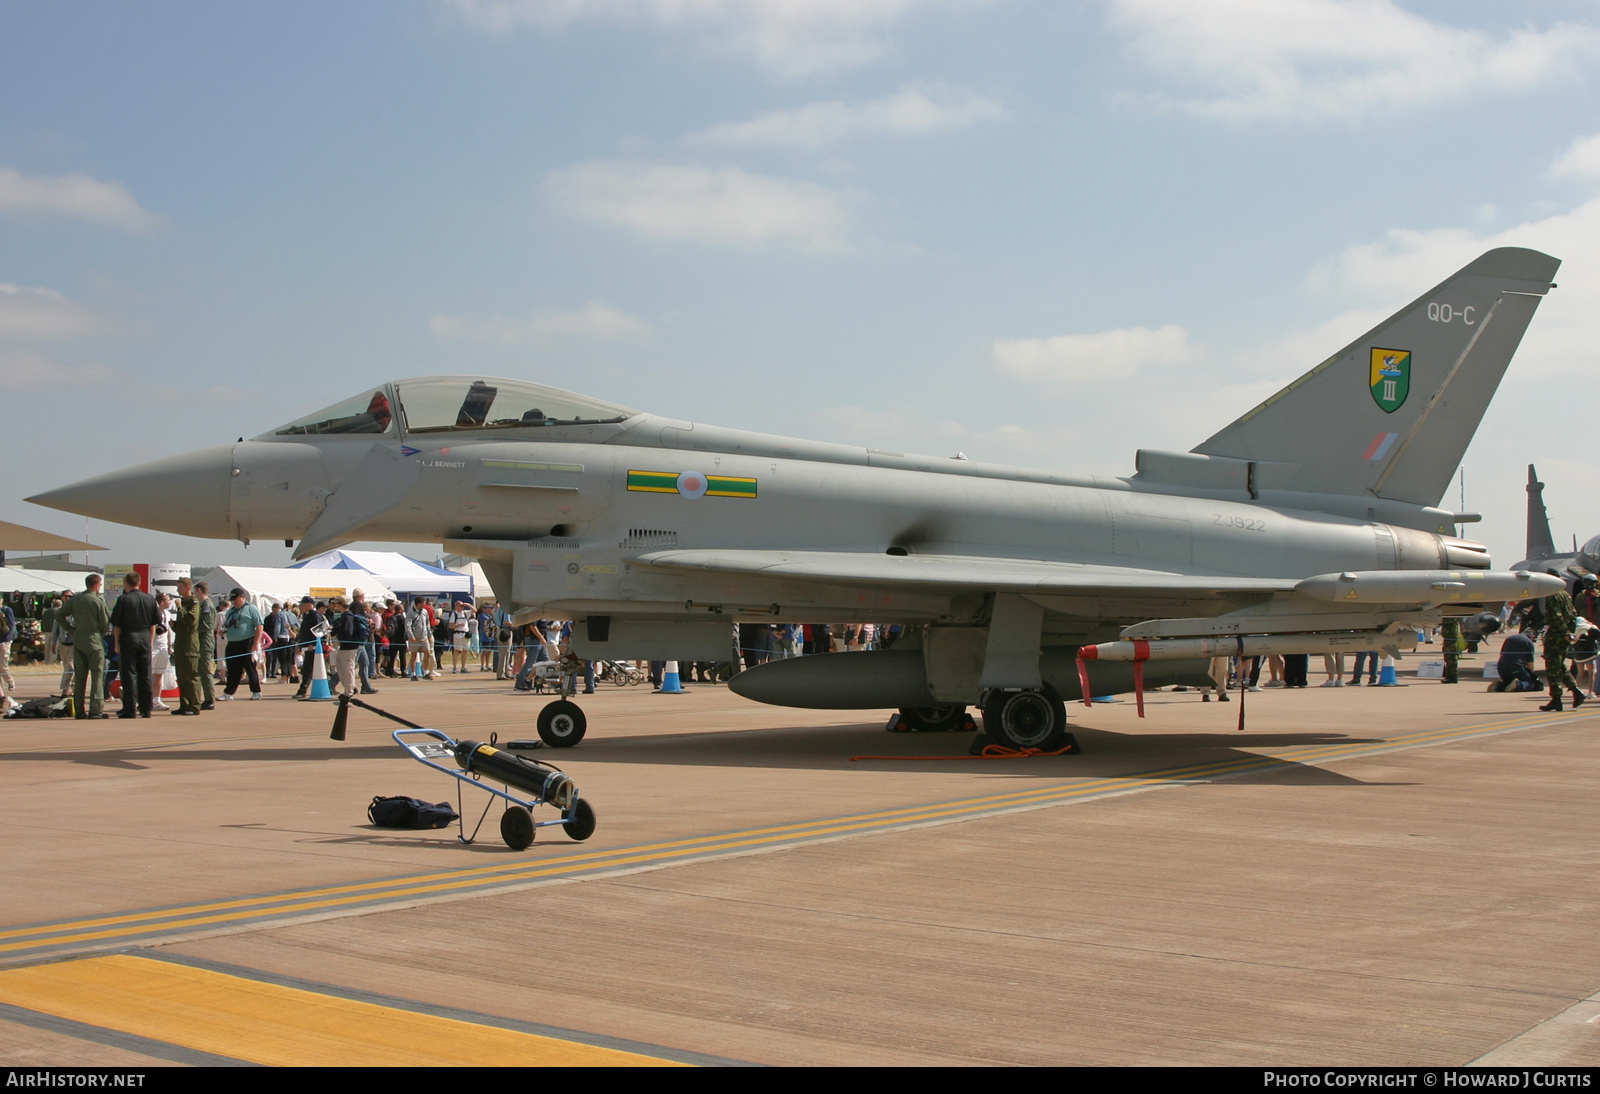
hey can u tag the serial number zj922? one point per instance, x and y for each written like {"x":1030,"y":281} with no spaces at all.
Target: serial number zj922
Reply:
{"x":1244,"y":524}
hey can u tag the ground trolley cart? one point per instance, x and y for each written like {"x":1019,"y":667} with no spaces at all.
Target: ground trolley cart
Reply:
{"x":475,"y":762}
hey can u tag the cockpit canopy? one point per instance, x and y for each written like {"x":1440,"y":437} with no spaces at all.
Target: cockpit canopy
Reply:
{"x":445,"y":404}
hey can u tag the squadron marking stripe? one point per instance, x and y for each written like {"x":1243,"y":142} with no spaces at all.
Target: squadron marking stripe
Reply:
{"x":148,"y":924}
{"x":653,"y":482}
{"x":724,"y":486}
{"x":666,"y":482}
{"x":279,"y":1025}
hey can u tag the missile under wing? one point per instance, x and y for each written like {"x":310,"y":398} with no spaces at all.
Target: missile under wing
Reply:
{"x":1311,"y":522}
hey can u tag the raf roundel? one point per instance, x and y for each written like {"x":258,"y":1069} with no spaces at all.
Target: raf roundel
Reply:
{"x":692,"y":484}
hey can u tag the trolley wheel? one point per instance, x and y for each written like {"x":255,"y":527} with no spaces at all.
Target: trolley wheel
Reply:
{"x":562,"y":724}
{"x":516,"y":828}
{"x":581,"y":824}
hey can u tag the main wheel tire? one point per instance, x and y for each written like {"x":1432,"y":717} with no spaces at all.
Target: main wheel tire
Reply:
{"x":562,"y":724}
{"x":516,"y":828}
{"x":1026,"y":719}
{"x":943,"y":719}
{"x":581,"y":826}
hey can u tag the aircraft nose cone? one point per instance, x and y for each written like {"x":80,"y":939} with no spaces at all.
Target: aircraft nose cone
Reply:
{"x":186,"y":495}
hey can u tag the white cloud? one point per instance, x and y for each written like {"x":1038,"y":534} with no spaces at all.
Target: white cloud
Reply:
{"x":1345,"y":60}
{"x":1537,"y":415}
{"x":724,"y":206}
{"x":594,"y":320}
{"x":788,"y":37}
{"x":25,"y":369}
{"x":42,"y":314}
{"x":1564,"y":339}
{"x":1111,"y":356}
{"x":1582,"y":160}
{"x":72,"y":196}
{"x":916,"y":108}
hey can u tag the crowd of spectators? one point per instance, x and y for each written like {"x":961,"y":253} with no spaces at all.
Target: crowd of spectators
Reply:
{"x":363,"y":641}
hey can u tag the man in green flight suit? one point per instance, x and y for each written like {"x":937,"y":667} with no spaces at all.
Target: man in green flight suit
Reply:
{"x":1560,"y":618}
{"x":90,"y":621}
{"x":47,"y":622}
{"x":208,"y":646}
{"x":186,"y":649}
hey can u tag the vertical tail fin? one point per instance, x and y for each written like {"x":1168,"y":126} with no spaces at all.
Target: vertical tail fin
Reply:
{"x":1540,"y":545}
{"x":1392,"y":413}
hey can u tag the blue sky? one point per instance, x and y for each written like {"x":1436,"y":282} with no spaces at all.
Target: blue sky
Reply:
{"x":1037,"y":233}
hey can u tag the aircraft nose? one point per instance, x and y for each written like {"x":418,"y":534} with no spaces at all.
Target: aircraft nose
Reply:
{"x":186,"y":495}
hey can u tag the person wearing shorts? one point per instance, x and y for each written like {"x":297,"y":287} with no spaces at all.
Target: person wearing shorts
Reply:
{"x":461,"y":622}
{"x":419,"y":641}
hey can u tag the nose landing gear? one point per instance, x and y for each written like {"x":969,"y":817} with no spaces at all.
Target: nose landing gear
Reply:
{"x":562,"y":724}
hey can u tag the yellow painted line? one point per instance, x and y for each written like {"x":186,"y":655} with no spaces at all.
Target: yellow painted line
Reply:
{"x":112,"y":752}
{"x":334,"y":898}
{"x":280,"y":1026}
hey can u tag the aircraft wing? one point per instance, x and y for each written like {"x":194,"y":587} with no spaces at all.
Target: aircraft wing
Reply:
{"x":959,"y":572}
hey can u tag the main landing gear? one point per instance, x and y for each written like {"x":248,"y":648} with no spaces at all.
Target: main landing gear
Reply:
{"x":1026,"y":719}
{"x":950,"y":718}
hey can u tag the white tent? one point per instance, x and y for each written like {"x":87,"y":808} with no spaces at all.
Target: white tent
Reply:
{"x":404,"y":575}
{"x":480,"y":580}
{"x":16,"y":579}
{"x":267,"y":585}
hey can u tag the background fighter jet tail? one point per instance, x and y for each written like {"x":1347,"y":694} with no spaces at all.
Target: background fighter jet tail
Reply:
{"x":1540,"y":545}
{"x":1391,"y":414}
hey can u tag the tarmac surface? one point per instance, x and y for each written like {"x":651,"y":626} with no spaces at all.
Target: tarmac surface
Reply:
{"x":1401,"y":876}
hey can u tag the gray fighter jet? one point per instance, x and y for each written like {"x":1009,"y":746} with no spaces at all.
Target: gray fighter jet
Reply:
{"x":1308,"y":525}
{"x":1542,"y":554}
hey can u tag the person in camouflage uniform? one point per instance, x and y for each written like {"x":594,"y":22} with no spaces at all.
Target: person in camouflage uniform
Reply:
{"x":1559,"y":620}
{"x":186,"y":649}
{"x":1450,"y":639}
{"x":208,"y":646}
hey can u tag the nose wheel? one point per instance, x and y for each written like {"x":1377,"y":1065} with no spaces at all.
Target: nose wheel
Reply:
{"x":562,"y":724}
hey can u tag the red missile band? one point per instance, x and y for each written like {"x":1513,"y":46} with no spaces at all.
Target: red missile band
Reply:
{"x":1141,"y":651}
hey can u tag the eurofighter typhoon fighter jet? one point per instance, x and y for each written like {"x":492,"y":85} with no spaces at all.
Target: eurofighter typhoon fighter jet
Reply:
{"x":1309,"y":525}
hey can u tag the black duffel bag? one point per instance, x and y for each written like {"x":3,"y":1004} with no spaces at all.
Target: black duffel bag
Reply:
{"x":410,"y":813}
